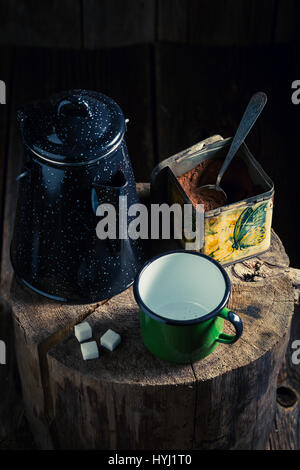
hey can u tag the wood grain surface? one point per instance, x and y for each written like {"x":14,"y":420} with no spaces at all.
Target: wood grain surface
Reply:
{"x":115,"y":23}
{"x":55,"y":23}
{"x":286,"y":430}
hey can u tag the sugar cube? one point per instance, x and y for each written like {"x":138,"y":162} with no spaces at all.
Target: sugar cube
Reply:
{"x":89,"y":350}
{"x":83,"y":331}
{"x":110,"y":340}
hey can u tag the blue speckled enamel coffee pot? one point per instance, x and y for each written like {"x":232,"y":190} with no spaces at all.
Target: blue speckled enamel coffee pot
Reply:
{"x":75,"y":159}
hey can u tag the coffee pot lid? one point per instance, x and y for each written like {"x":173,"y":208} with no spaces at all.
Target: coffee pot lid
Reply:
{"x":72,"y":128}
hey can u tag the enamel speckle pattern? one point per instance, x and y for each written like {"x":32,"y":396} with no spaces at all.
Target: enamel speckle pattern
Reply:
{"x":55,"y":249}
{"x":73,"y":127}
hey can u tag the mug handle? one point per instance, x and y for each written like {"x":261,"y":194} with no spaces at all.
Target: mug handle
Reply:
{"x":236,"y":322}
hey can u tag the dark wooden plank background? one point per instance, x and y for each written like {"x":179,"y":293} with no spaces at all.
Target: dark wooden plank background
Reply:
{"x":35,"y":23}
{"x":118,"y":22}
{"x":112,"y":23}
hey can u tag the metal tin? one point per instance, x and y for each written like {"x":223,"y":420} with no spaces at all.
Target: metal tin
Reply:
{"x":232,"y":232}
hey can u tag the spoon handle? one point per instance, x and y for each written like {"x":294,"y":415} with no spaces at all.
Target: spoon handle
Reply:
{"x":253,"y":110}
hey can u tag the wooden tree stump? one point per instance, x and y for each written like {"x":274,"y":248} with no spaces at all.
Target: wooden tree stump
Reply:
{"x":286,"y":432}
{"x":131,"y":399}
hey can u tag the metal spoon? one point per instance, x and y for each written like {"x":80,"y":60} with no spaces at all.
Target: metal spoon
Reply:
{"x":253,"y":110}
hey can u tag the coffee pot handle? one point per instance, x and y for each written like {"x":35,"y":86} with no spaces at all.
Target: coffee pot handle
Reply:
{"x":236,"y":321}
{"x":74,"y":106}
{"x":109,"y":193}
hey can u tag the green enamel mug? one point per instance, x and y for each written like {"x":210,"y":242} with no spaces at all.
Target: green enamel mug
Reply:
{"x":182,"y":296}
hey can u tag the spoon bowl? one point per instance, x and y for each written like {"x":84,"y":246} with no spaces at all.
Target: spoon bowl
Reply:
{"x":214,"y":187}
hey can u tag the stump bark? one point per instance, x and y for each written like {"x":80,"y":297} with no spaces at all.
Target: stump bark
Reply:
{"x":129,"y":399}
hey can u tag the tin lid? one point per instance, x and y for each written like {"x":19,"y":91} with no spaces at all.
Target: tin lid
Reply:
{"x":75,"y":127}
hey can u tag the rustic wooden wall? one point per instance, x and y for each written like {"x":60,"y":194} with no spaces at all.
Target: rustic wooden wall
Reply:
{"x":111,"y":23}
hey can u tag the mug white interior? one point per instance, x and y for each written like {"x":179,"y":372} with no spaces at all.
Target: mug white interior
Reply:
{"x":182,"y":286}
